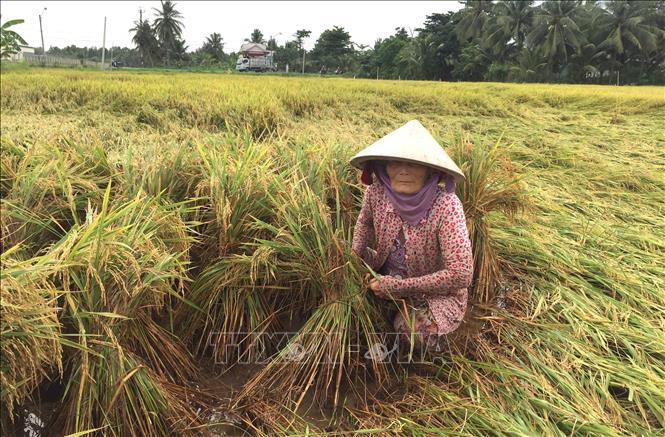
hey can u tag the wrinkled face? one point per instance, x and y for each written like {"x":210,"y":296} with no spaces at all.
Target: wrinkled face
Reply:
{"x":406,"y":177}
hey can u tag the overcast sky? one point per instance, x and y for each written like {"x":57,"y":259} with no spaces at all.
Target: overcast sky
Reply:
{"x":82,"y":23}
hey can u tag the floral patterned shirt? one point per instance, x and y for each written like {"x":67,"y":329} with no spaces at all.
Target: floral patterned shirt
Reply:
{"x":438,"y":254}
{"x":395,"y":265}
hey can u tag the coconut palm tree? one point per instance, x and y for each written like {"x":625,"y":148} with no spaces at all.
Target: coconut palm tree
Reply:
{"x":179,"y":51}
{"x":410,"y":58}
{"x":589,"y":63}
{"x":528,"y":66}
{"x":145,"y":40}
{"x":629,"y":30}
{"x":511,"y":21}
{"x":474,"y":60}
{"x":555,"y":31}
{"x":214,"y":46}
{"x":167,"y":26}
{"x":476,"y":13}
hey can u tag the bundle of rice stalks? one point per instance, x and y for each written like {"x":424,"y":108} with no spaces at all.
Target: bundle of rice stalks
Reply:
{"x":30,"y":341}
{"x":233,"y":191}
{"x":122,"y":265}
{"x":11,"y":155}
{"x":263,"y":121}
{"x":168,"y":170}
{"x":312,"y":259}
{"x":48,"y":192}
{"x":489,"y":188}
{"x":114,"y":389}
{"x":236,"y":179}
{"x":231,"y":310}
{"x":325,"y":169}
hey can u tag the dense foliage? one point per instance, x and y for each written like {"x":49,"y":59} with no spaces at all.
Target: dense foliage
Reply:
{"x":9,"y":40}
{"x":613,"y":41}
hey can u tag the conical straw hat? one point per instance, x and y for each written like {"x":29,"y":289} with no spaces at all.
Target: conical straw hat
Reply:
{"x":413,"y":143}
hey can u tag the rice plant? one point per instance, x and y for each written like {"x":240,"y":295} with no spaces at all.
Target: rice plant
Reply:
{"x":31,"y":345}
{"x":48,"y":189}
{"x":236,"y":180}
{"x":487,"y":189}
{"x":313,"y":260}
{"x":122,"y":264}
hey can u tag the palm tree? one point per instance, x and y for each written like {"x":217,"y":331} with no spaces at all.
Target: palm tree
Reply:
{"x":629,"y":30}
{"x":476,"y":13}
{"x":528,"y":66}
{"x":167,"y":26}
{"x":511,"y":21}
{"x":555,"y":31}
{"x":180,"y":51}
{"x":145,"y":40}
{"x":214,"y":46}
{"x":474,"y":61}
{"x":271,"y":44}
{"x":589,"y":63}
{"x":410,"y":58}
{"x":589,"y":19}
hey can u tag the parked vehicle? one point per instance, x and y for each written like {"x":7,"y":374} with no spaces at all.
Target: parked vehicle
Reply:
{"x":255,"y":57}
{"x":257,"y":63}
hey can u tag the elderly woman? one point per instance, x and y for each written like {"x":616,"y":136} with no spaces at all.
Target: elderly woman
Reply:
{"x":421,"y":248}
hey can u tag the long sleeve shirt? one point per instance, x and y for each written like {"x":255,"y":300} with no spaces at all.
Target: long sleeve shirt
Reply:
{"x":438,"y":252}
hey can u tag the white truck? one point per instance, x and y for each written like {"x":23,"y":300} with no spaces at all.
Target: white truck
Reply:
{"x":256,"y":63}
{"x":255,"y":57}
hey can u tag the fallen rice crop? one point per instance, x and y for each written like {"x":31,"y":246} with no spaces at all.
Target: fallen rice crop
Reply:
{"x":142,"y":213}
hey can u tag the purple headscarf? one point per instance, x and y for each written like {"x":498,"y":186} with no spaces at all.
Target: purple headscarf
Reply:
{"x":413,"y":207}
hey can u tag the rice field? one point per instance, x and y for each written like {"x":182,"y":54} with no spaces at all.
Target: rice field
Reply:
{"x":147,"y":216}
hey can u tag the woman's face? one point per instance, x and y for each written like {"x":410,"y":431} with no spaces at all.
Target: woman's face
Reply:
{"x":406,"y":177}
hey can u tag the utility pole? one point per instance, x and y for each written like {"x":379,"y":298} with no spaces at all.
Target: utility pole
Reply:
{"x":377,"y":73}
{"x":42,"y":33}
{"x":104,"y":43}
{"x":141,"y":22}
{"x":303,"y":60}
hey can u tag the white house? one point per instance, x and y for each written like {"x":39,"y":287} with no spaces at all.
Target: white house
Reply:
{"x":24,"y":49}
{"x":251,"y":49}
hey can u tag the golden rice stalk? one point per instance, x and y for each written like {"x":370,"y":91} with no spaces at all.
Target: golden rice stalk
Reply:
{"x":30,"y":341}
{"x":121,"y":268}
{"x":50,"y":189}
{"x":489,"y":187}
{"x":313,"y":262}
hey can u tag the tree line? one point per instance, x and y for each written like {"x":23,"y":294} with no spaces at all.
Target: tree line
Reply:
{"x":554,"y":41}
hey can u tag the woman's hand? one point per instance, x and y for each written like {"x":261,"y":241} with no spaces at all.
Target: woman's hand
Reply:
{"x":374,"y":284}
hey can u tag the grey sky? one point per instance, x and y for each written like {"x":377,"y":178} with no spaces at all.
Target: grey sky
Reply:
{"x":81,"y":23}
